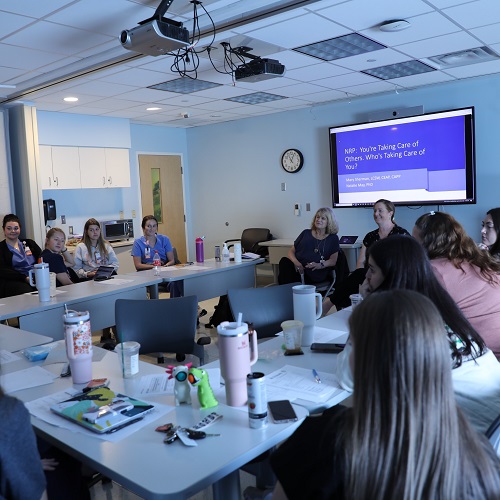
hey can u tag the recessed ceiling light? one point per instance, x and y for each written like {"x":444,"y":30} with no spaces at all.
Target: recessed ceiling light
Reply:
{"x":152,"y":109}
{"x":71,"y":99}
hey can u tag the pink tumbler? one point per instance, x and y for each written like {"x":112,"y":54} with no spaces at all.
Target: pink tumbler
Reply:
{"x":78,"y":337}
{"x":199,"y":250}
{"x":236,"y":360}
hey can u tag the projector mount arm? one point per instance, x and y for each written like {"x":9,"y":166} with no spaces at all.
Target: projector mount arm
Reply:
{"x":160,"y":11}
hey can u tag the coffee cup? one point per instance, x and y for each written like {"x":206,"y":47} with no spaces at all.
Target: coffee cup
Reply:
{"x":292,"y":334}
{"x":128,"y":353}
{"x":53,"y":284}
{"x":41,"y":281}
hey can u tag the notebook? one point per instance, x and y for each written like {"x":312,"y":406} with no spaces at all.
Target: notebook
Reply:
{"x":348,"y":240}
{"x":104,"y":273}
{"x":102,"y":410}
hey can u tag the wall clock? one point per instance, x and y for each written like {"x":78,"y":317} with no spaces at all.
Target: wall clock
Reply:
{"x":292,"y":160}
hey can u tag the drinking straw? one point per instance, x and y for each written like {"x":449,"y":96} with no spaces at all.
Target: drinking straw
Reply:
{"x":240,"y":317}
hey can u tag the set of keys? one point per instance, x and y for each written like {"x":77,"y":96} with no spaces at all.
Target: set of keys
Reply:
{"x":189,"y":436}
{"x":185,"y":435}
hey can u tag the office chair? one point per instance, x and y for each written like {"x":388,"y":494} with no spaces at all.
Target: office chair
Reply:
{"x":250,"y":239}
{"x":266,"y":307}
{"x":339,"y":273}
{"x":160,"y":326}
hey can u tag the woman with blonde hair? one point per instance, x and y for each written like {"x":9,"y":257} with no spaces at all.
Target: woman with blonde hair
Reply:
{"x":404,"y":436}
{"x":57,"y":256}
{"x":93,"y":251}
{"x":315,"y":251}
{"x":467,"y":273}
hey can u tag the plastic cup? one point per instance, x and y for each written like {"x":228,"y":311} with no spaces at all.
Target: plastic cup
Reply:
{"x":128,"y":353}
{"x":52,"y":284}
{"x":356,"y":299}
{"x":292,"y":333}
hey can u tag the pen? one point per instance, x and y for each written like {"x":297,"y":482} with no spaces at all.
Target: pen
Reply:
{"x":316,"y":376}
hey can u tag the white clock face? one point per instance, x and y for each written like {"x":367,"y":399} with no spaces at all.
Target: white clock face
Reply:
{"x":292,"y":160}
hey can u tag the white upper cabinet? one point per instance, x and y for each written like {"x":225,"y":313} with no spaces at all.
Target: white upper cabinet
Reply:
{"x":117,"y":167}
{"x":64,"y":167}
{"x":60,"y":167}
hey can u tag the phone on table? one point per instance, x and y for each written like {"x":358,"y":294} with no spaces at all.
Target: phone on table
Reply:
{"x":282,"y":411}
{"x":327,"y":347}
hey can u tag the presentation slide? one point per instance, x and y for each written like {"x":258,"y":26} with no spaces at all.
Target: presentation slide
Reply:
{"x":423,"y":156}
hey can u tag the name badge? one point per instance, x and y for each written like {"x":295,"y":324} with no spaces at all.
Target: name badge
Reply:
{"x":97,"y":257}
{"x":147,"y":252}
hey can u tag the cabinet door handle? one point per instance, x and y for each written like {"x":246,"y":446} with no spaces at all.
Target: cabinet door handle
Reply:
{"x":50,"y":181}
{"x":57,"y":181}
{"x":110,"y":180}
{"x":103,"y":181}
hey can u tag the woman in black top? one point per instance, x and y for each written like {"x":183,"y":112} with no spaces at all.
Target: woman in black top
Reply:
{"x":17,"y":257}
{"x":490,"y":232}
{"x":383,"y":215}
{"x":404,"y":437}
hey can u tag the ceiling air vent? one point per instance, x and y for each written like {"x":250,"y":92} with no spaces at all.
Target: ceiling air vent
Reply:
{"x":464,"y":57}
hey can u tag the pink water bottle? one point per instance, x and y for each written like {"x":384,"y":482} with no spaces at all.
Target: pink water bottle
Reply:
{"x":236,"y":359}
{"x":200,"y":257}
{"x":78,"y":339}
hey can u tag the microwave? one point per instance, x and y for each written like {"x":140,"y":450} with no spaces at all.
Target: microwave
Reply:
{"x":117,"y":230}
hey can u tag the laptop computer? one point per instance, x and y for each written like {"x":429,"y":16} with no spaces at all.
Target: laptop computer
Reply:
{"x":102,"y":410}
{"x":104,"y":273}
{"x":348,"y":240}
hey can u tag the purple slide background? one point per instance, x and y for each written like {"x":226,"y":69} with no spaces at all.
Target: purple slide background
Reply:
{"x":442,"y":139}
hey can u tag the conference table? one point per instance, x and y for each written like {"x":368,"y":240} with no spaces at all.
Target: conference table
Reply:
{"x":279,"y":248}
{"x":46,"y":318}
{"x":142,"y":463}
{"x":14,"y":339}
{"x":209,"y":279}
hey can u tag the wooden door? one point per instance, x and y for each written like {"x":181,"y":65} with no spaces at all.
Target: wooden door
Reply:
{"x":163,"y":196}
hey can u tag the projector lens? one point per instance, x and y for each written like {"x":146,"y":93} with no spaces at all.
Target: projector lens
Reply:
{"x":124,"y":36}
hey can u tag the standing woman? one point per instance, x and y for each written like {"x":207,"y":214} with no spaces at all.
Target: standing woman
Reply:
{"x":17,"y":257}
{"x":490,"y":232}
{"x":57,"y":256}
{"x":383,"y":215}
{"x":93,"y":252}
{"x":144,"y":249}
{"x":314,"y":252}
{"x":404,"y":437}
{"x":470,"y":275}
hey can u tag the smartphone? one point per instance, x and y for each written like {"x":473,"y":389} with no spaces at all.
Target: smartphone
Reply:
{"x":282,"y":411}
{"x":327,"y":347}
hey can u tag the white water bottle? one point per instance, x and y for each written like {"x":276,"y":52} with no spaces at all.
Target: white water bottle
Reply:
{"x":157,"y":263}
{"x":225,"y":253}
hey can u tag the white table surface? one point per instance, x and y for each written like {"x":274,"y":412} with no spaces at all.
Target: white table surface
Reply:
{"x":13,"y":339}
{"x":147,"y":466}
{"x":154,"y":470}
{"x":209,"y":279}
{"x":97,"y":297}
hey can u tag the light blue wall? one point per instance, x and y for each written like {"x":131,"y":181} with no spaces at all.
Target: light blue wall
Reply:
{"x":236,"y":174}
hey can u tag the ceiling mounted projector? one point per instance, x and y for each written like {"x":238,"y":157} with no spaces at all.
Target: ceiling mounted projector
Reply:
{"x":155,"y":37}
{"x":259,"y":69}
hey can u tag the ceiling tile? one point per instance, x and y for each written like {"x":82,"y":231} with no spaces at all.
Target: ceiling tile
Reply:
{"x":291,"y":33}
{"x":474,"y":14}
{"x":315,"y":72}
{"x":488,"y":34}
{"x":34,"y":8}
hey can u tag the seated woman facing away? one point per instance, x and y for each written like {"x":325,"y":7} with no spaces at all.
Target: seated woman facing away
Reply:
{"x":490,"y":233}
{"x":383,"y":215}
{"x":93,"y":252}
{"x":401,"y":263}
{"x":469,"y":275}
{"x":56,"y":255}
{"x":17,"y":257}
{"x":404,"y":437}
{"x":314,"y":252}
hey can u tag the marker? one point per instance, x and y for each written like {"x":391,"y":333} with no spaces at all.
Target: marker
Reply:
{"x":316,"y":376}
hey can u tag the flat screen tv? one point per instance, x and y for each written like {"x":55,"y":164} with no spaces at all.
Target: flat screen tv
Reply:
{"x":427,"y":159}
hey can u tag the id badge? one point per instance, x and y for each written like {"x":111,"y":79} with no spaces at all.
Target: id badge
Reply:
{"x":97,"y":257}
{"x":147,"y":252}
{"x":27,"y":251}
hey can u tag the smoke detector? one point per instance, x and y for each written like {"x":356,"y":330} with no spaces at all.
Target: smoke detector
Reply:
{"x":395,"y":25}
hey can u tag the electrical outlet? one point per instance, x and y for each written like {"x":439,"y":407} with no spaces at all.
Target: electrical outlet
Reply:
{"x":70,"y":230}
{"x":63,"y":219}
{"x":296,"y":209}
{"x":283,"y":186}
{"x":133,"y":214}
{"x":121,"y":214}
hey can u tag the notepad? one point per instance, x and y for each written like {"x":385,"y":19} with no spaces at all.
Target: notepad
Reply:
{"x":102,"y":410}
